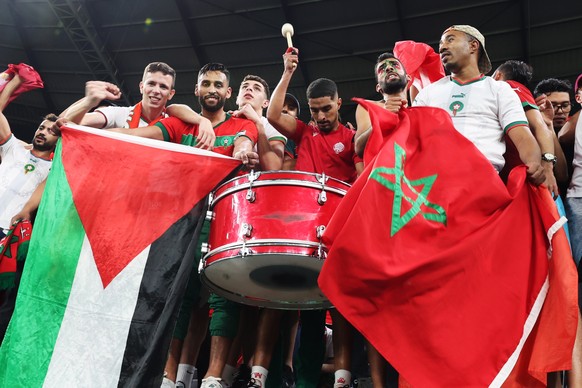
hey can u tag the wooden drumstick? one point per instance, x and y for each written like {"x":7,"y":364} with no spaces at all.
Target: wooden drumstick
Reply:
{"x":287,"y":31}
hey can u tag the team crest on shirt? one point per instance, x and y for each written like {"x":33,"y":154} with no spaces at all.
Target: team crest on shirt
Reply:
{"x":456,"y":107}
{"x":338,"y":147}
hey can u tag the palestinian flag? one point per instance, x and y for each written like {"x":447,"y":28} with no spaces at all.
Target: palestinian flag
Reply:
{"x":112,"y":249}
{"x":448,"y":272}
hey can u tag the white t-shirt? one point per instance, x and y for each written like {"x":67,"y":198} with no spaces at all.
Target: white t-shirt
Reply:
{"x":575,"y":189}
{"x":271,"y":132}
{"x":20,"y":173}
{"x":119,"y":116}
{"x":483,"y":111}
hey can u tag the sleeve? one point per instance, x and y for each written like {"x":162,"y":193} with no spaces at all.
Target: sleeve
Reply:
{"x":300,"y":129}
{"x":272,"y":134}
{"x":172,"y":128}
{"x":6,"y":145}
{"x":248,"y":129}
{"x":115,"y":116}
{"x":525,"y":97}
{"x":511,"y":113}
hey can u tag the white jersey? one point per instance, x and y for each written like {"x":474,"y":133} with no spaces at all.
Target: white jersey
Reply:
{"x":20,"y":173}
{"x":119,"y":116}
{"x":271,"y":132}
{"x":575,"y":189}
{"x":483,"y":111}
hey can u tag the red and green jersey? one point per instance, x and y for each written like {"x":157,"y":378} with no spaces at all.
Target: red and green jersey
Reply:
{"x":525,"y":97}
{"x":330,"y":153}
{"x":177,"y":131}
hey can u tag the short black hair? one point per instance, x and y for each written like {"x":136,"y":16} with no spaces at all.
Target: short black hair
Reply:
{"x":518,"y":71}
{"x":51,"y":117}
{"x":322,"y":87}
{"x":251,"y":77}
{"x":550,"y":85}
{"x":214,"y":66}
{"x":163,"y":68}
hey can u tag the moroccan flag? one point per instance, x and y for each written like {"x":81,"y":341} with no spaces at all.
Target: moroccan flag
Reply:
{"x":112,"y":249}
{"x":442,"y":267}
{"x":13,"y":248}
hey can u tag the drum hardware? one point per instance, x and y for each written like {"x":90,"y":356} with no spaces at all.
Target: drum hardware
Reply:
{"x":320,"y":250}
{"x":209,"y":215}
{"x":204,"y":249}
{"x":251,"y":195}
{"x":245,"y":233}
{"x":322,"y":197}
{"x":265,"y":253}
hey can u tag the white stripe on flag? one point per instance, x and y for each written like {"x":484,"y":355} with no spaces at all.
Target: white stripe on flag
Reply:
{"x":91,"y":342}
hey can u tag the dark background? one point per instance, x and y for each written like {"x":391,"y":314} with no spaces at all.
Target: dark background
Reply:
{"x":72,"y":41}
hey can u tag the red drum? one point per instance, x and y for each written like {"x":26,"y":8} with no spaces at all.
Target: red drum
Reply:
{"x":265,"y":238}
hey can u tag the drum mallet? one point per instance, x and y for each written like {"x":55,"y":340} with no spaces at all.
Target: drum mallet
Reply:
{"x":287,"y":31}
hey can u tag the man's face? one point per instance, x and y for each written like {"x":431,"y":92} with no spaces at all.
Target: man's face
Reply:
{"x":253,"y":93}
{"x":391,"y":76}
{"x":291,"y":110}
{"x":579,"y":96}
{"x":325,"y":112}
{"x":156,"y":89}
{"x":455,"y":49}
{"x":212,"y":90}
{"x":44,"y":139}
{"x":561,"y":103}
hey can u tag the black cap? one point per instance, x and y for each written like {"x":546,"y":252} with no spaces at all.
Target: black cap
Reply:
{"x":291,"y":100}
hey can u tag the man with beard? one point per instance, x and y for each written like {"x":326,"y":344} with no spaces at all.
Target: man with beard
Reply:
{"x":391,"y":83}
{"x":482,"y":109}
{"x":21,"y":171}
{"x":326,"y":146}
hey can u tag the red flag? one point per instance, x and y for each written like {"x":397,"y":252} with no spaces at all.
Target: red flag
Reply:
{"x":421,"y":62}
{"x":13,"y":247}
{"x":441,"y":266}
{"x":30,"y":79}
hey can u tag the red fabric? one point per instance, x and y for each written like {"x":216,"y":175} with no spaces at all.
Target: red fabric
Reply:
{"x":444,"y":285}
{"x":232,"y":126}
{"x":330,"y":153}
{"x":18,"y":234}
{"x":30,"y":79}
{"x":134,"y":166}
{"x":135,"y":116}
{"x":511,"y":155}
{"x":421,"y":62}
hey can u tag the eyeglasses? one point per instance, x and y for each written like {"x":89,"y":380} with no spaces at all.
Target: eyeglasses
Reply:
{"x":565,"y":106}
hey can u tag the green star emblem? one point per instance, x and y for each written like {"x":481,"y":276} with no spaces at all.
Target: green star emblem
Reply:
{"x":434,"y":212}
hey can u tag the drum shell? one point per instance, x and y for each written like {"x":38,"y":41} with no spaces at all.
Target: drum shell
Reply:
{"x":266,"y":251}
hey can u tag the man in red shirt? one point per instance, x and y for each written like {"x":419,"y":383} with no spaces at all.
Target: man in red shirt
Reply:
{"x":323,"y":146}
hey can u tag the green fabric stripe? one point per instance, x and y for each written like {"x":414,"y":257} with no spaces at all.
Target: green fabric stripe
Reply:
{"x":164,"y":130}
{"x":527,"y":105}
{"x":481,"y":78}
{"x":45,"y":288}
{"x":514,"y":124}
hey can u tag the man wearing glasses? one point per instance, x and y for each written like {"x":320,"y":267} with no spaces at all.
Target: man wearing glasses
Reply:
{"x":557,"y":93}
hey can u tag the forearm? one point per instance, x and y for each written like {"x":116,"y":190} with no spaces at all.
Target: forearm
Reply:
{"x":360,"y":141}
{"x":184,"y":113}
{"x":10,"y":87}
{"x":270,"y":153}
{"x":78,"y":110}
{"x":282,"y":122}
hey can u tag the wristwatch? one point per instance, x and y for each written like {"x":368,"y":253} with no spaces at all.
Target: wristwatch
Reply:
{"x":547,"y":157}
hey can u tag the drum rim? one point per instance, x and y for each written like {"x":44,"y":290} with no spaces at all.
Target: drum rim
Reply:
{"x":266,"y":242}
{"x":281,"y":182}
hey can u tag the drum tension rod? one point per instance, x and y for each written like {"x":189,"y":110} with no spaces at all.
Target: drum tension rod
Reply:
{"x":322,"y":197}
{"x":246,"y":231}
{"x":253,"y":176}
{"x":320,"y":249}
